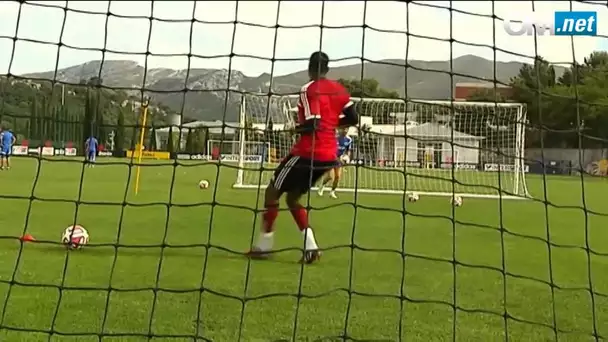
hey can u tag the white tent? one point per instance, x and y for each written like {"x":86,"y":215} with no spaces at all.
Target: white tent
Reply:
{"x":440,"y":143}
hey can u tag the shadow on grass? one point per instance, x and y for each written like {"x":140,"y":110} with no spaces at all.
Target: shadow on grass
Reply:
{"x":187,"y":252}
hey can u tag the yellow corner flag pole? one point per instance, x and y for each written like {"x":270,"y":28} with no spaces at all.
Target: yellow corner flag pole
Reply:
{"x":140,"y":147}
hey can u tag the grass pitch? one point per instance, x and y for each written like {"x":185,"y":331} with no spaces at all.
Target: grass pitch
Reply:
{"x":142,"y":290}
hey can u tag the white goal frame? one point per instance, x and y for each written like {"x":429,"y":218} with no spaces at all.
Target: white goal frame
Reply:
{"x":519,"y":189}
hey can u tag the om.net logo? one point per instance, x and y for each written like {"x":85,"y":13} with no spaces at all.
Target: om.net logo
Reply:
{"x":564,"y":24}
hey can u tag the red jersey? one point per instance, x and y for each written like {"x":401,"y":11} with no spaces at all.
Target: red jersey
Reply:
{"x":324,"y":100}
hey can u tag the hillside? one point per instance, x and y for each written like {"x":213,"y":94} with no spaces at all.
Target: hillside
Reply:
{"x":206,"y":98}
{"x":38,"y":110}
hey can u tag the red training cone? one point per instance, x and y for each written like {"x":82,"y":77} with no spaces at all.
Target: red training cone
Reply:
{"x":27,"y":238}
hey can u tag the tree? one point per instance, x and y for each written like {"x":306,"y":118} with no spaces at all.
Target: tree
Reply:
{"x":33,"y":131}
{"x":152,"y":144}
{"x":170,"y":141}
{"x":95,"y":81}
{"x":199,"y":140}
{"x":574,"y":109}
{"x":18,"y":100}
{"x":561,"y":110}
{"x":533,"y":86}
{"x":370,"y":88}
{"x":43,"y":122}
{"x":76,"y":126}
{"x":578,"y":72}
{"x":367,"y":87}
{"x":539,"y":76}
{"x":571,"y":75}
{"x":99,"y":125}
{"x":190,"y":141}
{"x":69,"y":126}
{"x":55,"y":124}
{"x":64,"y":116}
{"x":487,"y":95}
{"x":119,"y":139}
{"x":533,"y":81}
{"x":89,"y":115}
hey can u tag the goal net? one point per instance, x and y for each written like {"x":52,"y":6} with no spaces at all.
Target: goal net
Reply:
{"x":187,"y":100}
{"x":427,"y":147}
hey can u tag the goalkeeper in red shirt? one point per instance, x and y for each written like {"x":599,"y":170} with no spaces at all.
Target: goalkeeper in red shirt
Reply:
{"x":323,"y":107}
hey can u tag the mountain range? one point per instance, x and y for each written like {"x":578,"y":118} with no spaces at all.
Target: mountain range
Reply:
{"x":206,"y":97}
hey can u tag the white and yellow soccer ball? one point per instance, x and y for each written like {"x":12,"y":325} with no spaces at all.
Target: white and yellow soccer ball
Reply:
{"x":204,"y":184}
{"x":413,"y":197}
{"x":75,"y":237}
{"x":456,"y":201}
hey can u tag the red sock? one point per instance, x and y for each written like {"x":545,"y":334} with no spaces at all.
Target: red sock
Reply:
{"x":300,"y":216}
{"x":269,"y":216}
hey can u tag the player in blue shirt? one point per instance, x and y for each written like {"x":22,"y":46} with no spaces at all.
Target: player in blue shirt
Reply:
{"x":7,"y":140}
{"x":90,"y":147}
{"x":344,"y":145}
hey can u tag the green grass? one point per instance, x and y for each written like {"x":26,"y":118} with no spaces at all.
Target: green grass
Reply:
{"x":418,"y":179}
{"x":73,"y":297}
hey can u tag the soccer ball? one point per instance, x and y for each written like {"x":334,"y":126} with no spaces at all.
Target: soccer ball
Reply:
{"x":203,"y":184}
{"x":413,"y":197}
{"x":345,"y":159}
{"x":456,"y":201}
{"x":75,"y":237}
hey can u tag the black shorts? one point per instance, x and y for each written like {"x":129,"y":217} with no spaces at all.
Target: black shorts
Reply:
{"x":297,"y":174}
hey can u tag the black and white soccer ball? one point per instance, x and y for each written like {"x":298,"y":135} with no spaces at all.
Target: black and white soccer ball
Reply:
{"x":345,"y":159}
{"x":204,"y":184}
{"x":413,"y":197}
{"x":456,"y":201}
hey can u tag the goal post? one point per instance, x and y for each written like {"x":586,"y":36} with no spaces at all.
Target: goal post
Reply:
{"x":263,"y":119}
{"x":473,"y":149}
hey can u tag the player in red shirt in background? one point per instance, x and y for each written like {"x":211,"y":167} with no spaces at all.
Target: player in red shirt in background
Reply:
{"x":324,"y":106}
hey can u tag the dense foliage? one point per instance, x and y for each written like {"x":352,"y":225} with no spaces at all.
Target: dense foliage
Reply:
{"x":59,"y":114}
{"x":568,"y":110}
{"x":368,"y":88}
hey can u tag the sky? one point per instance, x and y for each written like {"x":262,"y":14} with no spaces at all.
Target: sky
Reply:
{"x":129,"y":32}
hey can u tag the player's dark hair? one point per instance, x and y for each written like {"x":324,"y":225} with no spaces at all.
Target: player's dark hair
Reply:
{"x":318,"y":64}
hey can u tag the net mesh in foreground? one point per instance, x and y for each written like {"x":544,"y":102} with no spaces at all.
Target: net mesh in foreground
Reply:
{"x":166,"y":264}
